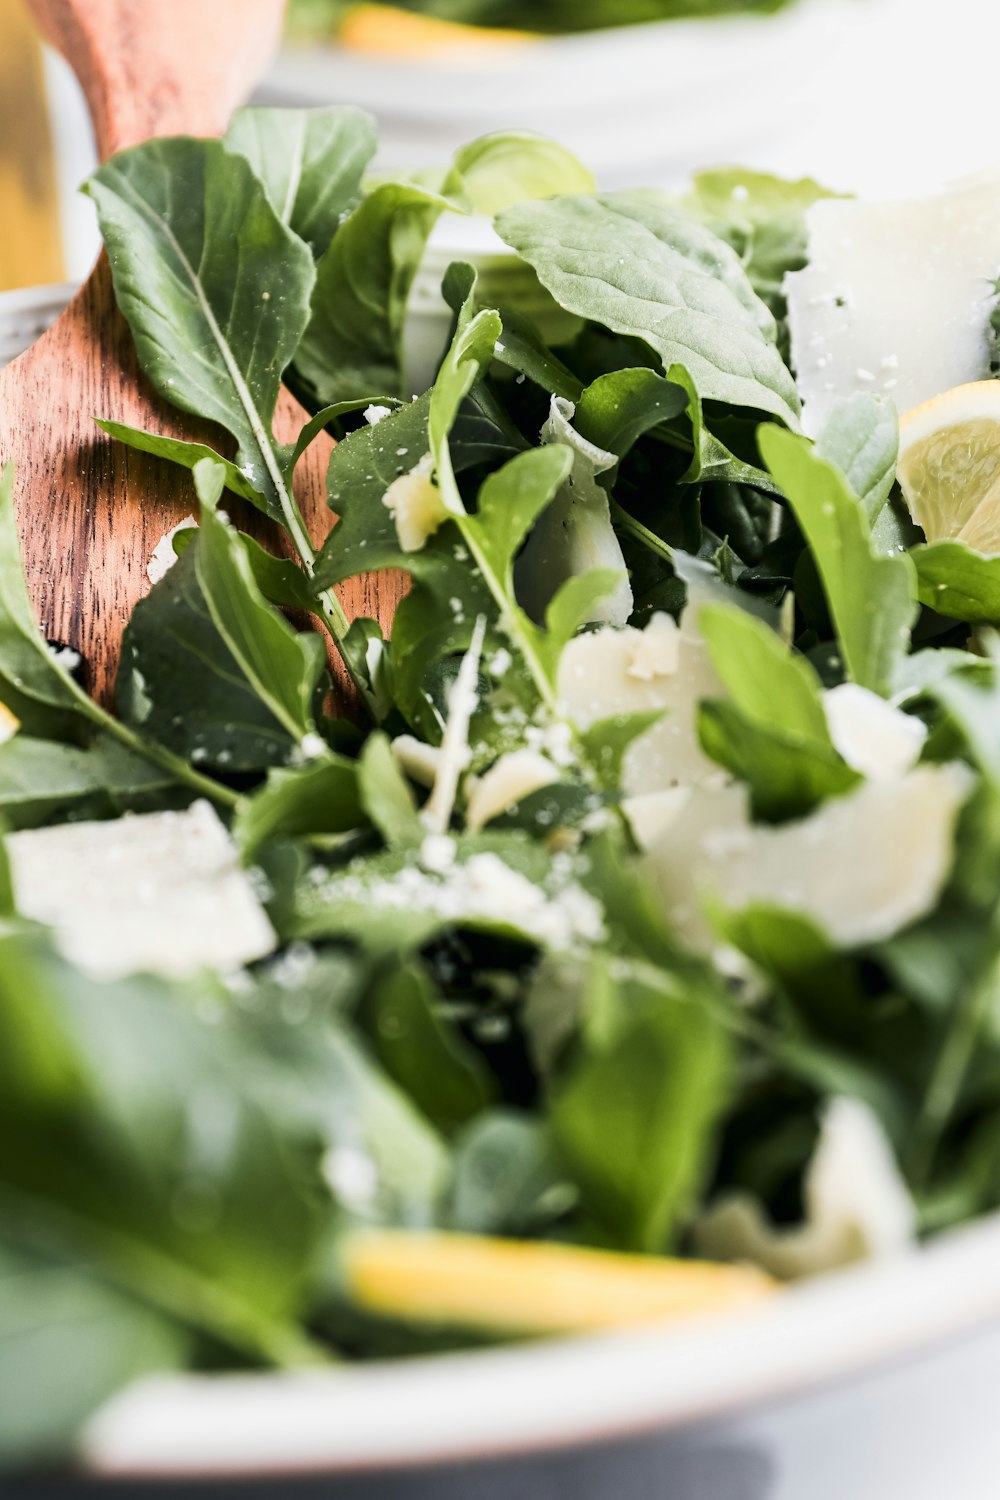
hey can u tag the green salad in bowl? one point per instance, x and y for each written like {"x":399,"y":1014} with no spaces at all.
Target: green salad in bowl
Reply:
{"x":620,"y":938}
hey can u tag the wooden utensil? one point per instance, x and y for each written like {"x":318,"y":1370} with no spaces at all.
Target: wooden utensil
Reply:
{"x":91,"y":511}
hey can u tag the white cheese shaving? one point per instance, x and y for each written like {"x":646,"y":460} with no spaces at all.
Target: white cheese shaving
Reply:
{"x":873,"y":737}
{"x":161,"y":892}
{"x":373,"y":414}
{"x":164,"y":556}
{"x":574,"y":533}
{"x":896,"y":297}
{"x":416,"y":505}
{"x":860,"y":868}
{"x":512,"y":778}
{"x":598,"y":680}
{"x":857,"y":1206}
{"x":455,"y":753}
{"x":419,"y":760}
{"x":652,"y":814}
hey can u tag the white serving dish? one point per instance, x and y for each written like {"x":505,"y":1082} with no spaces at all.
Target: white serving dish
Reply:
{"x":874,"y":1384}
{"x":639,"y":104}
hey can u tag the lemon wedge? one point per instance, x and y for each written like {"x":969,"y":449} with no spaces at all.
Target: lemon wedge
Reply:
{"x":949,"y":465}
{"x":393,"y":32}
{"x":510,"y":1286}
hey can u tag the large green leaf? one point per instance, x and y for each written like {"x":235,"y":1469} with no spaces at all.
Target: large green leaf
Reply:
{"x":216,"y":290}
{"x":181,"y":686}
{"x":310,"y":161}
{"x":639,"y":267}
{"x":872,"y":598}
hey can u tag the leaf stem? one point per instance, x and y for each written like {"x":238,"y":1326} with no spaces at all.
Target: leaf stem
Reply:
{"x":949,"y":1072}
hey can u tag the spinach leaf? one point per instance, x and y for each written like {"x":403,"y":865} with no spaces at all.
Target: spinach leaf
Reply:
{"x":957,"y":581}
{"x":639,"y":267}
{"x":861,"y":437}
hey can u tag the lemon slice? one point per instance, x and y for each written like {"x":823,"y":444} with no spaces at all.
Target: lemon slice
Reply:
{"x":949,"y":465}
{"x":391,"y":32}
{"x":510,"y":1286}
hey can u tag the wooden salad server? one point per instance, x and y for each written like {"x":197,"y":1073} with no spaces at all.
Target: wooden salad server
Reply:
{"x":91,"y":511}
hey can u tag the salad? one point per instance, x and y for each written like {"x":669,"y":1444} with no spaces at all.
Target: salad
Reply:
{"x":617,"y":935}
{"x":364,"y":24}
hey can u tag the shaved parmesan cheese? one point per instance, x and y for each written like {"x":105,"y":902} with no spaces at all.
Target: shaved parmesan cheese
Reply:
{"x":857,"y":1206}
{"x":860,"y":868}
{"x":873,"y":737}
{"x":163,"y":893}
{"x":653,"y":813}
{"x":416,"y":505}
{"x":610,"y":672}
{"x":418,"y":760}
{"x":164,"y":556}
{"x":514,"y":777}
{"x":9,"y":725}
{"x":455,"y":753}
{"x":896,"y":297}
{"x":574,"y":533}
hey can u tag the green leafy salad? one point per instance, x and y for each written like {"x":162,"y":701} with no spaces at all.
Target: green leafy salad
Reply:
{"x":321,"y":18}
{"x":640,"y":895}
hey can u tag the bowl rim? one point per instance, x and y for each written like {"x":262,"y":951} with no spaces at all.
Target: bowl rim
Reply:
{"x":570,"y":1392}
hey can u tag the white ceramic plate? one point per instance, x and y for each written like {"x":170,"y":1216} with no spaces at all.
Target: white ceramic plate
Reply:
{"x":817,"y":1341}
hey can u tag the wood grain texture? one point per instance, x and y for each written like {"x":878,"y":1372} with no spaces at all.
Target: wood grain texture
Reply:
{"x":90,"y":511}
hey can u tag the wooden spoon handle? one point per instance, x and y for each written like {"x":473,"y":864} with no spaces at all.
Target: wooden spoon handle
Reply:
{"x":161,"y":67}
{"x":91,"y":511}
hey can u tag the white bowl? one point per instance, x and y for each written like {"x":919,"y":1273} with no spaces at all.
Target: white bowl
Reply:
{"x":639,"y":104}
{"x":875,"y":1384}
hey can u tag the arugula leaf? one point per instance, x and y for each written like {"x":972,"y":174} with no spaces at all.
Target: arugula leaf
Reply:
{"x":957,"y":581}
{"x":768,"y":682}
{"x":312,"y":800}
{"x":639,"y":267}
{"x":764,"y":219}
{"x":619,"y":408}
{"x":309,"y":161}
{"x":423,"y":1054}
{"x":68,"y":1342}
{"x":216,"y":291}
{"x":386,"y":795}
{"x":635,"y":1115}
{"x":283,"y":667}
{"x":353,"y":343}
{"x":180,"y":686}
{"x":872,"y":598}
{"x":506,"y":1179}
{"x":861,"y":438}
{"x":507,"y":167}
{"x":43,"y":781}
{"x":773,"y":734}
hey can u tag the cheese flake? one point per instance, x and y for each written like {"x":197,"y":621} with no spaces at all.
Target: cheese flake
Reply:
{"x":896,"y":297}
{"x":161,"y":893}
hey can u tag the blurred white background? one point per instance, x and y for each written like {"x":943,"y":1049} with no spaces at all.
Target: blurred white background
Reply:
{"x":886,"y":98}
